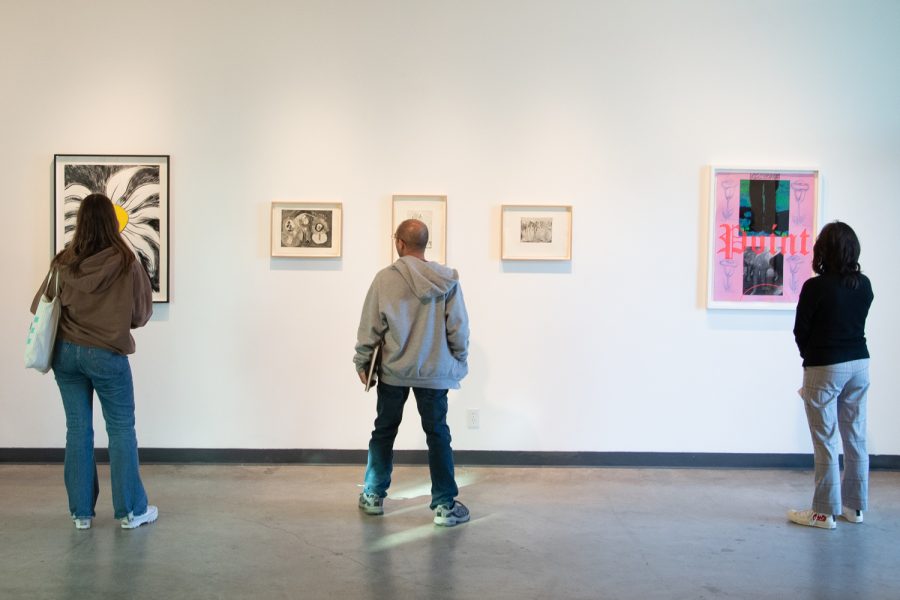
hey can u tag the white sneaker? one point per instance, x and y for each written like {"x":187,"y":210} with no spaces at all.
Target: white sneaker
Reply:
{"x":133,"y":521}
{"x":811,"y":518}
{"x":80,"y":523}
{"x":854,"y":516}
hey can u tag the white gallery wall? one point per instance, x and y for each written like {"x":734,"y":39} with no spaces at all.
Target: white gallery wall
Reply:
{"x":614,"y":107}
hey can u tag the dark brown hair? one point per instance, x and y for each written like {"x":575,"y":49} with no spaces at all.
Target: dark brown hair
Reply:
{"x":836,"y":252}
{"x":96,"y":229}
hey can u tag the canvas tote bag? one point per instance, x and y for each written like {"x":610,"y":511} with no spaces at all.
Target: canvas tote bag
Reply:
{"x":42,"y":333}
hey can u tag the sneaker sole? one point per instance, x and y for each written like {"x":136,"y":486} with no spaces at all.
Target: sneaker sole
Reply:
{"x":139,"y":524}
{"x":853,"y":519}
{"x":816,"y":524}
{"x":372,"y":511}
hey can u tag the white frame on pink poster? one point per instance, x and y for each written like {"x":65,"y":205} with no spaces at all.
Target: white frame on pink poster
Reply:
{"x":730,"y":241}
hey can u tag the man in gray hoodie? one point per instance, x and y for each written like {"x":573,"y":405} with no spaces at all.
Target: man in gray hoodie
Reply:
{"x":414,"y":308}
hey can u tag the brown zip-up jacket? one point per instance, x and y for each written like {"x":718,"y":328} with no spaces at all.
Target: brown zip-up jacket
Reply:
{"x":100,"y":307}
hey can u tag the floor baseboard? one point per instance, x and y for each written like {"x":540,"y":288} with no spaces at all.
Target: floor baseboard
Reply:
{"x":499,"y":458}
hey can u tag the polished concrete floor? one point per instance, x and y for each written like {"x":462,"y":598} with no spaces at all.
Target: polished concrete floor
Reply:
{"x":555,"y":533}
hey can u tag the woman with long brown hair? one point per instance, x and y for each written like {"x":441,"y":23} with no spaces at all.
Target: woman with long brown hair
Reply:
{"x":830,"y":332}
{"x":104,"y":293}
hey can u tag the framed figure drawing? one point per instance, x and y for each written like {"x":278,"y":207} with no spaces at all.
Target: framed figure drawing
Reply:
{"x":307,"y":229}
{"x":431,"y":210}
{"x":138,"y":186}
{"x":762,"y":229}
{"x":535,"y":232}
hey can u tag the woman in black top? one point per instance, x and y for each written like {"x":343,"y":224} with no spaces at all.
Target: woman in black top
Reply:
{"x":830,"y":332}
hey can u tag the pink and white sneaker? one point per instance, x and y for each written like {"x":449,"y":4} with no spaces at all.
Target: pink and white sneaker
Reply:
{"x":811,"y":518}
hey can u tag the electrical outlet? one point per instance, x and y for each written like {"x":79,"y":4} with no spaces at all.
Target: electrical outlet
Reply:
{"x":473,"y":419}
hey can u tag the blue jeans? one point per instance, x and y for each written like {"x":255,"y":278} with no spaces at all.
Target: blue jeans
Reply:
{"x":79,"y":371}
{"x":835,"y":400}
{"x":432,"y":406}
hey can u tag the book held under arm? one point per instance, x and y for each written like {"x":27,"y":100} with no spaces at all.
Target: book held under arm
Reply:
{"x":374,"y":363}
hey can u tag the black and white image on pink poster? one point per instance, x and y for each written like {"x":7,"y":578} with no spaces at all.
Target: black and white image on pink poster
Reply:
{"x":763,"y":273}
{"x":138,"y":187}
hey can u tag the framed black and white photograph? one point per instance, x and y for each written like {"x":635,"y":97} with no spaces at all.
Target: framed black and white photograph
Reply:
{"x":431,"y":210}
{"x":307,"y":229}
{"x":535,"y":232}
{"x":138,"y":186}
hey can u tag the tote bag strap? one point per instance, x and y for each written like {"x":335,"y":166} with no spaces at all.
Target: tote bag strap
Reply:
{"x":56,"y":279}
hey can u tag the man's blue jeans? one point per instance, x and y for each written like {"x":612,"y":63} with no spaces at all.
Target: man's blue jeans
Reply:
{"x":432,"y":406}
{"x":79,"y":371}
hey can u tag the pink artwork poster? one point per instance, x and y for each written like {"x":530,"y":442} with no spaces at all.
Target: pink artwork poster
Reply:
{"x":763,"y":225}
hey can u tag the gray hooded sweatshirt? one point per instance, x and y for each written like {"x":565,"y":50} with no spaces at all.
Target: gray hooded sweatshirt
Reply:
{"x":417,"y":307}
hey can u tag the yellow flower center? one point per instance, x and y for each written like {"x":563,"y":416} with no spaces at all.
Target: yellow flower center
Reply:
{"x":122,"y":217}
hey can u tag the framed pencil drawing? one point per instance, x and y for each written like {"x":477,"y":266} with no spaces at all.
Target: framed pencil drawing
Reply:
{"x":307,"y":229}
{"x":431,"y":210}
{"x":535,"y":232}
{"x":762,"y":228}
{"x":138,"y":186}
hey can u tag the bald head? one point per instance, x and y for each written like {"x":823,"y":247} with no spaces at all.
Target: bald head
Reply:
{"x":414,"y":235}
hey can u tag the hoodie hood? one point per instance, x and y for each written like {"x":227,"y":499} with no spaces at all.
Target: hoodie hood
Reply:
{"x":427,"y":280}
{"x":97,"y":273}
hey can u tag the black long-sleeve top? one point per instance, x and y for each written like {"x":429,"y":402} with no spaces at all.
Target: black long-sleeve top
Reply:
{"x":830,"y":325}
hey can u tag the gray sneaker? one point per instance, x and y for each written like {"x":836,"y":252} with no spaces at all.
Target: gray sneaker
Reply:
{"x":133,"y":521}
{"x":81,"y":522}
{"x":451,"y":515}
{"x":371,"y":504}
